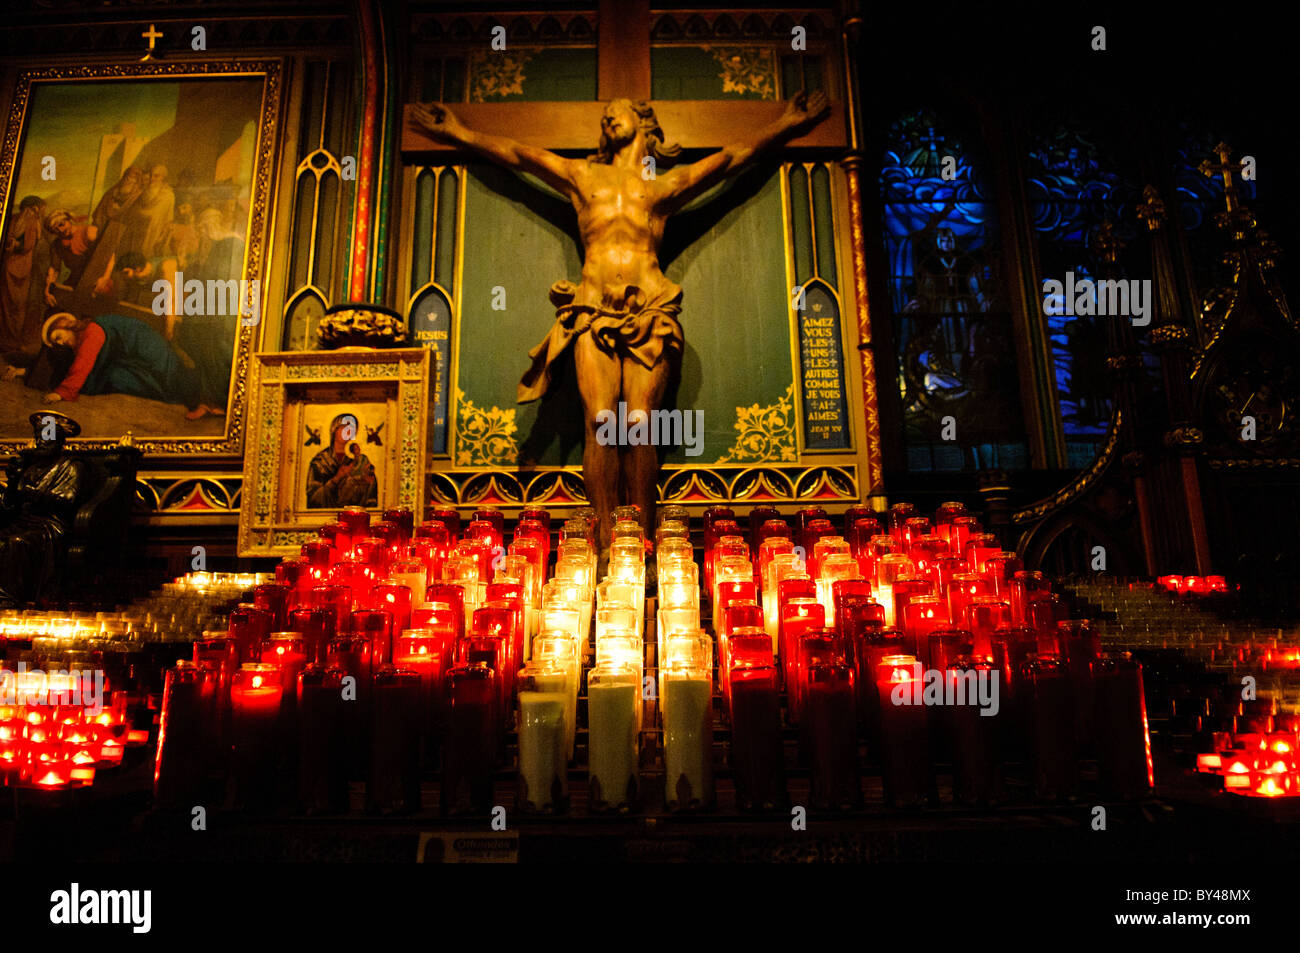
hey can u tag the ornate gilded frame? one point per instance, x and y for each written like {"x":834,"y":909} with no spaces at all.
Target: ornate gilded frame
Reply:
{"x":259,"y":237}
{"x":270,"y":524}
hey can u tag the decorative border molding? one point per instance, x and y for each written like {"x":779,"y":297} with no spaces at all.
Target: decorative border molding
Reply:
{"x":262,"y":527}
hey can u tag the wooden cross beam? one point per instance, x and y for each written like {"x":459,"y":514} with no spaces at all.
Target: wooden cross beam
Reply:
{"x":693,"y":123}
{"x":623,"y":71}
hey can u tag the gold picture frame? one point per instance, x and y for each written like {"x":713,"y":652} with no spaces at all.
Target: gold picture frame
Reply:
{"x":181,"y":442}
{"x":369,"y":405}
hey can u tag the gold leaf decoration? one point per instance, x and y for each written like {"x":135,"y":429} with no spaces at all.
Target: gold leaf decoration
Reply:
{"x":746,"y":70}
{"x":765,"y":433}
{"x":485,"y":436}
{"x":497,"y":74}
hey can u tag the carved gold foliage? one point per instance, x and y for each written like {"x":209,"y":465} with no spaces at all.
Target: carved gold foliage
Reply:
{"x":746,"y":70}
{"x":765,"y":434}
{"x":485,"y":436}
{"x":496,"y":74}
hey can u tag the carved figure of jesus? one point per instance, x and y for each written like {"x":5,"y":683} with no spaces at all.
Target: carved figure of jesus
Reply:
{"x":621,"y":319}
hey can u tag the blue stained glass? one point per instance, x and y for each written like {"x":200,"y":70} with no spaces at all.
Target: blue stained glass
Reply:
{"x":1073,"y":189}
{"x":952,"y":332}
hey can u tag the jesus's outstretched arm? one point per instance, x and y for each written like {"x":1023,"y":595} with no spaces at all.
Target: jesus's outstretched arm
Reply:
{"x":555,"y":171}
{"x":687,"y":182}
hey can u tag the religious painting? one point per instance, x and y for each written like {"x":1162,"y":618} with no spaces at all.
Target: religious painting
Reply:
{"x":134,"y":212}
{"x":340,"y":474}
{"x":330,"y":429}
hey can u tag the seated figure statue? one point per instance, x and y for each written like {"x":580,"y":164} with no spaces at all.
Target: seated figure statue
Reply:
{"x":39,"y":510}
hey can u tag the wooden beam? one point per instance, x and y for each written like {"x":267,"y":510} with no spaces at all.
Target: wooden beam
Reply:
{"x":694,"y":123}
{"x":623,"y":49}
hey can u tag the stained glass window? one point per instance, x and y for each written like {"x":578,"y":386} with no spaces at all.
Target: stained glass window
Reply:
{"x":957,"y":375}
{"x":1073,"y":190}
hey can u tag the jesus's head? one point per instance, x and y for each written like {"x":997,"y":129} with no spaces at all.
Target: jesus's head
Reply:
{"x":619,"y":126}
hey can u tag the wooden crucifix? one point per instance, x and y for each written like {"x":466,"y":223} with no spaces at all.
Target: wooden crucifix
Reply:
{"x":621,"y":318}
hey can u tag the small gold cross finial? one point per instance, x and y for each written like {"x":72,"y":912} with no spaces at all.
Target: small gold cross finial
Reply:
{"x":1151,"y":209}
{"x":1223,"y":168}
{"x":152,"y":35}
{"x":1106,"y":245}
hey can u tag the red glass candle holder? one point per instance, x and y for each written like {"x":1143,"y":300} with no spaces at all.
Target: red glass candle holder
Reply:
{"x":536,"y":514}
{"x":1025,"y":586}
{"x":975,"y":765}
{"x":394,"y":599}
{"x":184,"y":736}
{"x":852,"y":515}
{"x":1047,"y":718}
{"x":450,"y":595}
{"x":853,"y":616}
{"x":287,"y":653}
{"x":394,"y":786}
{"x":323,"y":758}
{"x":899,"y":514}
{"x":318,"y":553}
{"x":945,"y":644}
{"x":1001,"y":568}
{"x":256,"y":695}
{"x":984,"y":616}
{"x":473,"y":739}
{"x":812,"y":648}
{"x":830,"y":728}
{"x":404,"y":519}
{"x":317,"y":626}
{"x":904,"y":734}
{"x":274,"y":598}
{"x":1124,"y":766}
{"x":873,"y":645}
{"x":738,"y":615}
{"x":292,"y":572}
{"x":798,"y":617}
{"x":1080,"y":648}
{"x":756,"y":753}
{"x":759,"y":517}
{"x":336,"y":599}
{"x":376,"y":627}
{"x":249,"y":626}
{"x":450,"y":519}
{"x":923,"y":615}
{"x":356,"y":523}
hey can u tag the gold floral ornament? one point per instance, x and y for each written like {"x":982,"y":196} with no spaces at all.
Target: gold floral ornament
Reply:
{"x":765,"y":433}
{"x":746,"y":70}
{"x":356,"y":325}
{"x":485,"y":436}
{"x":496,"y":75}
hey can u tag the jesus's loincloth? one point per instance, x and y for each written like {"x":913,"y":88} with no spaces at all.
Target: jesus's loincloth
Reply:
{"x":624,"y":323}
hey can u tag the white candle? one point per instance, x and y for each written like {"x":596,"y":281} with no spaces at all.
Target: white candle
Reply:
{"x":543,"y":752}
{"x":612,"y":703}
{"x":688,"y":739}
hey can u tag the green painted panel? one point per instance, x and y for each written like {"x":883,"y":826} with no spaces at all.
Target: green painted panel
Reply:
{"x":448,"y":196}
{"x":698,"y":72}
{"x":727,"y":255}
{"x":546,"y":75}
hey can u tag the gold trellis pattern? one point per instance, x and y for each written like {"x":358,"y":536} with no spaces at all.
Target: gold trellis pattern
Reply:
{"x":765,"y":434}
{"x":746,"y":69}
{"x":496,"y":74}
{"x":485,"y":436}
